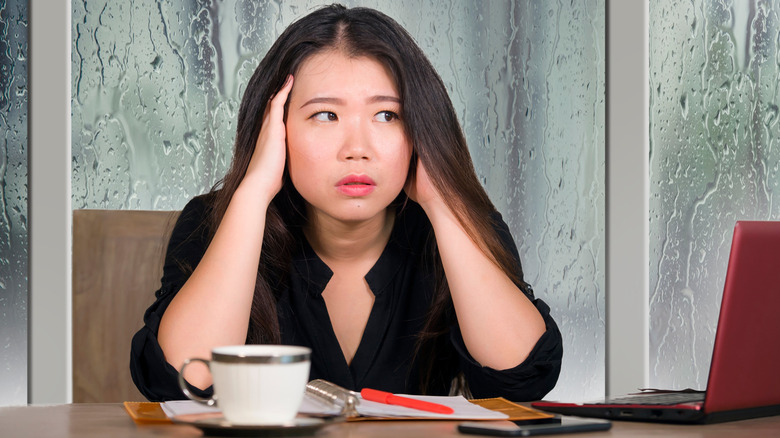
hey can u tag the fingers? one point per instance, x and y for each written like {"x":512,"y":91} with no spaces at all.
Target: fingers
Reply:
{"x":279,"y":99}
{"x":266,"y":167}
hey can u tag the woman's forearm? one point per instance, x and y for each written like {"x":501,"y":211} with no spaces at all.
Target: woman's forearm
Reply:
{"x":499,"y":324}
{"x":213,"y":306}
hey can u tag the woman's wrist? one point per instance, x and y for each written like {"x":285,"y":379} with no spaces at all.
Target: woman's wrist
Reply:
{"x":439,"y":213}
{"x":255,"y":190}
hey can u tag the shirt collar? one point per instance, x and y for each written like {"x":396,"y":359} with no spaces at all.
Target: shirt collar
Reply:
{"x":316,"y":274}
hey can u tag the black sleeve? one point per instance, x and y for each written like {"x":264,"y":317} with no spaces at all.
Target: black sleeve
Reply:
{"x":155,"y":378}
{"x":535,"y":376}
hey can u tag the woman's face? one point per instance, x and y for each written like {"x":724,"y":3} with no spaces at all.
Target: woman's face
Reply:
{"x":348,"y":155}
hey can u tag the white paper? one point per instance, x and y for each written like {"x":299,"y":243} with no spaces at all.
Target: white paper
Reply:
{"x":464,"y":410}
{"x":186,"y":407}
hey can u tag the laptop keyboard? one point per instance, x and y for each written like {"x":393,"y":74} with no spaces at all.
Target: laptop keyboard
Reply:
{"x":672,"y":398}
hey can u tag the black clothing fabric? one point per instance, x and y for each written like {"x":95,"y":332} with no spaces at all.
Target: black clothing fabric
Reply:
{"x":402,"y":284}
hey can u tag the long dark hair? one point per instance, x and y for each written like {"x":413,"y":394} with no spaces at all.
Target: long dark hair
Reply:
{"x":431,"y":127}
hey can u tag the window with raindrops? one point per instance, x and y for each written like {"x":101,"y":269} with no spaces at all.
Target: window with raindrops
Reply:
{"x":714,"y":160}
{"x":156,"y":87}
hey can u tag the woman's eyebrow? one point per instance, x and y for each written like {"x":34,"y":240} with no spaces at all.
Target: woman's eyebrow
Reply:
{"x":330,"y":100}
{"x":381,"y":98}
{"x":337,"y":101}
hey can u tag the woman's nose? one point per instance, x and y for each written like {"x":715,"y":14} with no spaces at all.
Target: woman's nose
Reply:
{"x":356,"y":143}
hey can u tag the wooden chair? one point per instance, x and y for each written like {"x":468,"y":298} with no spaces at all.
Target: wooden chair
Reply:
{"x":117,"y":265}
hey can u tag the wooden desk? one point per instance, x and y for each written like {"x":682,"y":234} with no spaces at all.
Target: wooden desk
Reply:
{"x":111,"y":420}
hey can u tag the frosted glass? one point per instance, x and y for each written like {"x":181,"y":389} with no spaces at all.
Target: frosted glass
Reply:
{"x":714,"y":160}
{"x":156,"y":88}
{"x":13,"y":202}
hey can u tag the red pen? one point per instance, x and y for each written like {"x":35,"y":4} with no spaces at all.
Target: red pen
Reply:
{"x":392,"y":399}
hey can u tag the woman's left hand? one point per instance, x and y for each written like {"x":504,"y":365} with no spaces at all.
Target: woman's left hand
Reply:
{"x":420,"y":188}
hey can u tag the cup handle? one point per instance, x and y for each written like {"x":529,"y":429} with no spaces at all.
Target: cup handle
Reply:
{"x":184,"y":386}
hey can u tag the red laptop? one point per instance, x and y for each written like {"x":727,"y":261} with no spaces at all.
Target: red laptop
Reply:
{"x":744,"y":379}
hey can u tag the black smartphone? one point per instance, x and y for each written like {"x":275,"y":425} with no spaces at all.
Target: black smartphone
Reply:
{"x":521,"y":428}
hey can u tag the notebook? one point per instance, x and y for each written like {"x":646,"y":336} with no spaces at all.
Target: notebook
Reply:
{"x":326,"y":399}
{"x":148,"y":412}
{"x":744,"y":378}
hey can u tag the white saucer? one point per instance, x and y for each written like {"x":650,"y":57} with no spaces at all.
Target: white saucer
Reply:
{"x":216,"y":424}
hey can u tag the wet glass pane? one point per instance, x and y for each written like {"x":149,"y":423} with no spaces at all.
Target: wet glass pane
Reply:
{"x":714,"y":160}
{"x":13,"y":202}
{"x":157,"y":85}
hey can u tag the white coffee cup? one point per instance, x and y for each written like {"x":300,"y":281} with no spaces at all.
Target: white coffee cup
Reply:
{"x":255,"y":384}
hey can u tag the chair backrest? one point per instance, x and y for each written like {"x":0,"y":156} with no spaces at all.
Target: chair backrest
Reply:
{"x":117,"y":266}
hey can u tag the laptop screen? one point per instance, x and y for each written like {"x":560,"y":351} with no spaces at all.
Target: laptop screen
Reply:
{"x":745,"y":368}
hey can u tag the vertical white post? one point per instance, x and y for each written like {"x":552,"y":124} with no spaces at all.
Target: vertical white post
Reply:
{"x":50,"y":370}
{"x":628,"y":148}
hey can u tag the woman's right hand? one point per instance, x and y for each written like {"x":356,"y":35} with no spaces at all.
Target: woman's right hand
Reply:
{"x":268,"y":159}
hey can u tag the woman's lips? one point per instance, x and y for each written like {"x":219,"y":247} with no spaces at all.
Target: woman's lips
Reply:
{"x":356,"y":185}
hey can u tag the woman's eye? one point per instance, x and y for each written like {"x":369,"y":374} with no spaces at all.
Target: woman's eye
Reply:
{"x":386,"y":116}
{"x":325,"y":116}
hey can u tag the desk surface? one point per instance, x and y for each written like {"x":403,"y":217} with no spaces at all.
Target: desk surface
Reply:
{"x":111,"y":420}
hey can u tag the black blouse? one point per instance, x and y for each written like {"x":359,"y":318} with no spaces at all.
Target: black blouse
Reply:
{"x":402,"y":284}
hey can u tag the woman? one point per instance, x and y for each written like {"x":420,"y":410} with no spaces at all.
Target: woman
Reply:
{"x":352,"y":222}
